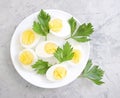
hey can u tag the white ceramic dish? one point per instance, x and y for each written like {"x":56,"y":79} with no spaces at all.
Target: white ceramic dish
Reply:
{"x":31,"y":76}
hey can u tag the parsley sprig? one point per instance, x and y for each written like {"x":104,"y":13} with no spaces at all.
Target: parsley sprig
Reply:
{"x":94,"y":73}
{"x":42,"y":25}
{"x":65,"y":53}
{"x":82,"y":33}
{"x":41,"y":66}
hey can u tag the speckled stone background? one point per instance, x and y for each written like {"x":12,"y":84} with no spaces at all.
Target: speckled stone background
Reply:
{"x":105,"y":47}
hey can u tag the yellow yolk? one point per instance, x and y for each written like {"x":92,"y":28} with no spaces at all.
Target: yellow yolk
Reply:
{"x":26,"y":58}
{"x":55,"y":25}
{"x":59,"y":73}
{"x":28,"y":37}
{"x":77,"y":56}
{"x":50,"y":48}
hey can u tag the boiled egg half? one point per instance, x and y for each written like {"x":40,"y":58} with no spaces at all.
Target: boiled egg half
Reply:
{"x":27,"y":57}
{"x":46,"y":49}
{"x":78,"y":55}
{"x":29,"y":38}
{"x":59,"y":27}
{"x":57,"y":72}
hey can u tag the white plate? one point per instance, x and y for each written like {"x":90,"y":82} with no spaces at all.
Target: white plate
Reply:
{"x":32,"y":77}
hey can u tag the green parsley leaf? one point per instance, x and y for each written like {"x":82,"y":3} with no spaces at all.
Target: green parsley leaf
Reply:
{"x":81,"y":39}
{"x":83,"y":32}
{"x":72,"y":23}
{"x":41,"y":66}
{"x":94,"y":73}
{"x":42,"y":25}
{"x":64,"y":54}
{"x":37,"y":28}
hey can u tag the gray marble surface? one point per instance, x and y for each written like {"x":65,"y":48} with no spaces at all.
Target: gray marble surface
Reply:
{"x":105,"y":47}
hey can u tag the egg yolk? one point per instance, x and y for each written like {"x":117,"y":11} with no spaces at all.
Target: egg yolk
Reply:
{"x":77,"y":56}
{"x":50,"y":48}
{"x":28,"y":37}
{"x":59,"y":73}
{"x":26,"y":58}
{"x":55,"y":25}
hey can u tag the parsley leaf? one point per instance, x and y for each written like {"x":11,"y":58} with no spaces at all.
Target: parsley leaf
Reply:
{"x":81,"y":39}
{"x":84,"y":30}
{"x":82,"y":33}
{"x":72,"y":23}
{"x":64,"y":54}
{"x":41,"y":66}
{"x":94,"y":73}
{"x":42,"y":25}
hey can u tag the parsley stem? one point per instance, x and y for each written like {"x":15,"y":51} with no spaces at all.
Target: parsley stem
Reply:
{"x":68,"y":38}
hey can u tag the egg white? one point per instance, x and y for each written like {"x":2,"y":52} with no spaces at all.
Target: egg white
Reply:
{"x":50,"y":71}
{"x":37,"y":38}
{"x":40,"y":51}
{"x":29,"y":67}
{"x":65,"y":30}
